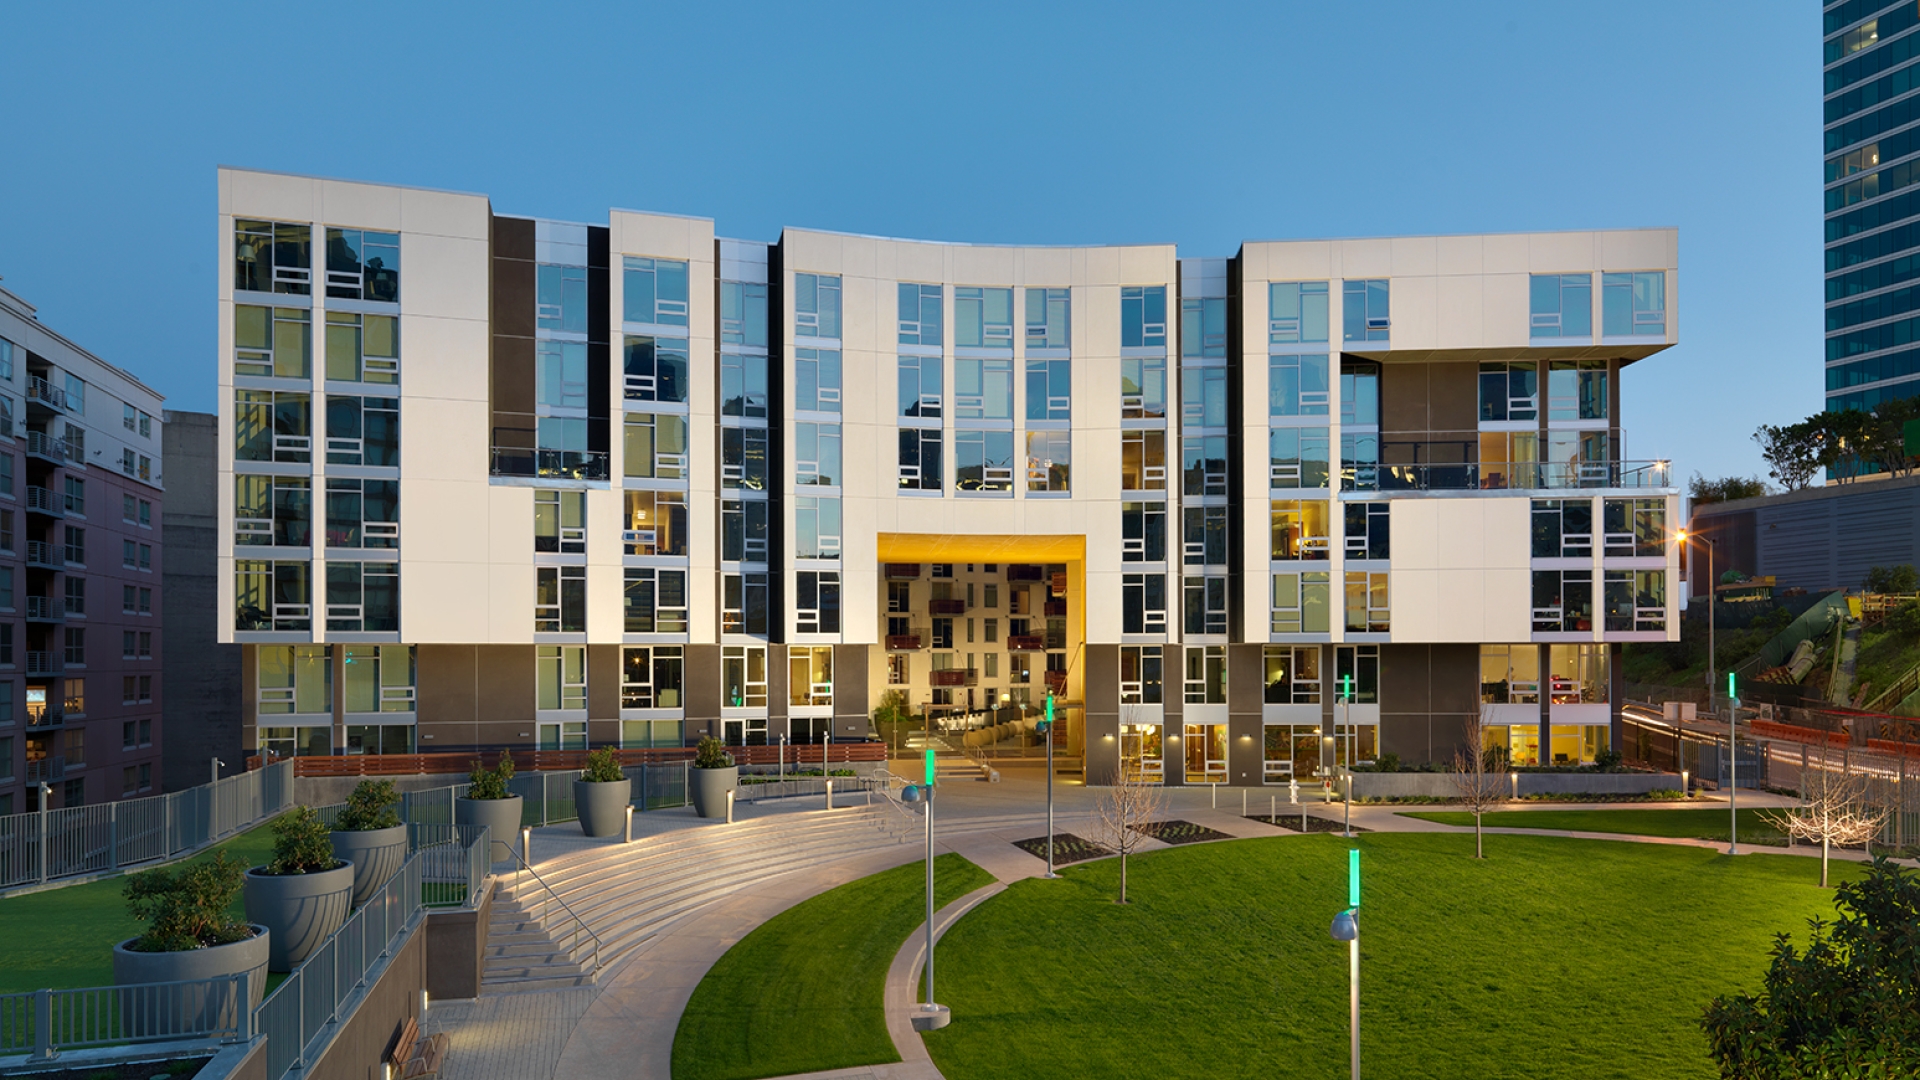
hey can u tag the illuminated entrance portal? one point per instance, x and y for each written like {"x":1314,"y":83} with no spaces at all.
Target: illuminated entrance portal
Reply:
{"x":1206,"y":747}
{"x":1140,"y":753}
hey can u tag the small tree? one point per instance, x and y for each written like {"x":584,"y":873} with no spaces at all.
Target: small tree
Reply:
{"x":711,"y":754}
{"x":1120,"y":813}
{"x":1473,"y":776}
{"x":1842,"y":1008}
{"x":1837,"y":812}
{"x":1901,"y":580}
{"x":603,"y":767}
{"x":1702,"y":491}
{"x":186,"y":908}
{"x":485,"y":783}
{"x":369,"y":806}
{"x":301,"y":844}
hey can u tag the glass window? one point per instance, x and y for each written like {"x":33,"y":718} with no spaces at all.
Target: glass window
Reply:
{"x":561,"y":677}
{"x":363,"y":596}
{"x":1509,"y":391}
{"x":1203,"y":328}
{"x":1049,"y":317}
{"x":920,"y":314}
{"x":982,"y":389}
{"x":1203,"y":397}
{"x":560,"y":521}
{"x":1206,"y":605}
{"x":560,"y":600}
{"x":1049,"y":460}
{"x":982,"y":318}
{"x":743,"y":604}
{"x":1562,"y":600}
{"x":1366,"y":531}
{"x":656,"y":446}
{"x":1143,"y":316}
{"x":1297,"y":457}
{"x":982,"y":460}
{"x":272,"y":341}
{"x":1206,"y":675}
{"x":1203,"y":464}
{"x":920,"y":378}
{"x":743,"y":676}
{"x":1577,"y":459}
{"x":1297,"y":385}
{"x":271,"y":595}
{"x":363,"y":265}
{"x":1299,"y":529}
{"x":1049,"y":390}
{"x":1141,"y":679}
{"x":1356,"y":674}
{"x":1579,"y":674}
{"x":655,"y":601}
{"x":272,"y":425}
{"x":1302,"y":602}
{"x":1635,"y":599}
{"x":655,"y":523}
{"x":266,"y":510}
{"x":272,"y":256}
{"x":363,"y":430}
{"x":1634,"y":527}
{"x":816,"y":380}
{"x":1296,"y":312}
{"x":1577,"y":390}
{"x":743,"y":313}
{"x":559,"y":374}
{"x":1363,"y":310}
{"x":743,"y":458}
{"x":655,"y":291}
{"x":1359,"y":393}
{"x":816,"y":454}
{"x":560,"y":301}
{"x":1204,"y":535}
{"x":1562,"y":305}
{"x":379,"y":678}
{"x":1366,"y":605}
{"x":816,"y":306}
{"x":1509,"y":675}
{"x":817,"y":602}
{"x":810,"y":675}
{"x":1562,"y":528}
{"x":1143,"y":460}
{"x":743,"y":530}
{"x":366,"y":348}
{"x":1143,"y":532}
{"x":1143,"y":603}
{"x":652,"y":676}
{"x":1143,"y":388}
{"x":919,"y":462}
{"x":1634,"y":304}
{"x":1292,"y":675}
{"x":294,"y":679}
{"x":656,"y":369}
{"x":816,"y":524}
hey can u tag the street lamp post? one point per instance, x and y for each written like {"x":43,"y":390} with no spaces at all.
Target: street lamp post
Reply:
{"x":1046,"y":732}
{"x":1346,"y":927}
{"x":932,"y":1016}
{"x":1733,"y":783}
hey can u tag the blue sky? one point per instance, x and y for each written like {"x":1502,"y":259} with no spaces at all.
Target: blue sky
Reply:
{"x":1068,"y":123}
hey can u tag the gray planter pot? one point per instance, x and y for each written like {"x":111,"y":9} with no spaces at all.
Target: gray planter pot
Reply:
{"x":300,"y":910}
{"x":376,"y":855}
{"x":500,"y":816}
{"x":157,"y":1012}
{"x":710,"y":787}
{"x":602,"y":806}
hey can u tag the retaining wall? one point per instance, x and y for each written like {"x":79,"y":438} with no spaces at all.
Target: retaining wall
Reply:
{"x":1440,"y":785}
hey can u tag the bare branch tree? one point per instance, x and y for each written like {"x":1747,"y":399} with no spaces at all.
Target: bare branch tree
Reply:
{"x":1121,"y":812}
{"x":1837,"y":812}
{"x":1480,"y":787}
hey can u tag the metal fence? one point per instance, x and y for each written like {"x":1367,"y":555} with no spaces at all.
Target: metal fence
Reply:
{"x":547,"y":797}
{"x":53,"y":844}
{"x":41,"y":1023}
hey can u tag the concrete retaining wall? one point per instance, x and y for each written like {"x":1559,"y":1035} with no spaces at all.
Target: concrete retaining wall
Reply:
{"x":456,"y":950}
{"x":327,"y":790}
{"x":1440,"y":785}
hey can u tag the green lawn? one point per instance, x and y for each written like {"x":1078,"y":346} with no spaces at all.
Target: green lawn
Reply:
{"x":64,"y":937}
{"x":1705,"y":824}
{"x":805,"y":991}
{"x":1555,"y":958}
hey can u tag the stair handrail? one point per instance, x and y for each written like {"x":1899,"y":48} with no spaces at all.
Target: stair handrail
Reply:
{"x":580,"y":924}
{"x":1900,"y":688}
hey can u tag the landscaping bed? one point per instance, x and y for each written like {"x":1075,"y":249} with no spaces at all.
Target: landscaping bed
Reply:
{"x":1067,"y":848}
{"x":175,"y":1069}
{"x":1291,"y":823}
{"x":1180,"y":832}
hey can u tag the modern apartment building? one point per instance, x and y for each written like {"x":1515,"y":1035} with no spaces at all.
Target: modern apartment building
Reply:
{"x":1872,"y":147}
{"x":80,"y":617}
{"x":492,"y":480}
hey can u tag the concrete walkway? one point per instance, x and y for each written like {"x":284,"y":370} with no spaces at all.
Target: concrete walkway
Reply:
{"x":624,"y":1027}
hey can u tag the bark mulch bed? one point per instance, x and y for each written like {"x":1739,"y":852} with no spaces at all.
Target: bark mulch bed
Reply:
{"x":1291,"y":822}
{"x":1180,"y":832}
{"x":1067,"y":848}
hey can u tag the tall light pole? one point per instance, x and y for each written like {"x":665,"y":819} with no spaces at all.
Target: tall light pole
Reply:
{"x":1346,"y":927}
{"x":1046,"y":732}
{"x":931,"y":1016}
{"x":1733,"y":785}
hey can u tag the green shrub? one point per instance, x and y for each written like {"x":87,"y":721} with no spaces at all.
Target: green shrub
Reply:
{"x":843,"y":772}
{"x":1665,"y":795}
{"x":186,"y":908}
{"x":712,"y":754}
{"x":370,"y":806}
{"x":603,"y":767}
{"x":301,"y":844}
{"x":1608,"y":759}
{"x":485,"y":783}
{"x":1905,"y":619}
{"x":1901,"y":580}
{"x":1388,"y":762}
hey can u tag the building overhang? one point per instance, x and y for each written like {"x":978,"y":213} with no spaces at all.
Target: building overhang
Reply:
{"x":896,"y":547}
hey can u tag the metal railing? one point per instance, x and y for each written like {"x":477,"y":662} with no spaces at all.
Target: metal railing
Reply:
{"x":572,"y":930}
{"x":41,"y":553}
{"x":52,"y":844}
{"x":39,"y":389}
{"x":42,"y":1023}
{"x":39,"y":498}
{"x":1504,"y":476}
{"x":45,"y":445}
{"x":756,"y":787}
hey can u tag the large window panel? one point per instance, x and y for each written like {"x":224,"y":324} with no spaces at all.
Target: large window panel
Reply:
{"x":1561,"y":305}
{"x":656,"y":446}
{"x":1509,"y":390}
{"x":363,"y":265}
{"x":743,"y":384}
{"x":272,"y":425}
{"x":655,"y":291}
{"x":655,"y":523}
{"x":1143,"y":603}
{"x":274,"y":510}
{"x":983,"y":461}
{"x":276,"y":342}
{"x":743,"y":458}
{"x":816,"y":526}
{"x":1143,"y":388}
{"x":1297,"y":312}
{"x":1366,"y":602}
{"x":1203,"y":464}
{"x":655,"y":600}
{"x":920,"y":314}
{"x":1203,"y":328}
{"x":1364,"y":310}
{"x":1049,"y":461}
{"x":1302,"y":602}
{"x":1297,"y":385}
{"x":982,"y":389}
{"x":816,"y":607}
{"x":743,"y":530}
{"x":1143,"y":532}
{"x":1049,"y":318}
{"x":1299,"y":529}
{"x":983,"y":318}
{"x":1143,"y":316}
{"x":1297,"y":457}
{"x":816,"y":305}
{"x":363,"y":513}
{"x":816,"y":454}
{"x":363,"y":597}
{"x":743,"y":313}
{"x":1203,"y":397}
{"x":816,"y":380}
{"x":919,"y":463}
{"x":1634,"y":304}
{"x":272,"y":256}
{"x":1050,"y":390}
{"x":656,"y":368}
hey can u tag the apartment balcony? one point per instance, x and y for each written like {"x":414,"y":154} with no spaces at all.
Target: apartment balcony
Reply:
{"x":42,"y":501}
{"x":954,"y":677}
{"x":904,"y":642}
{"x":44,"y":718}
{"x":47,"y":448}
{"x":1057,"y":682}
{"x":1055,"y":608}
{"x":550,"y":464}
{"x":46,"y":556}
{"x":46,"y":609}
{"x":946,"y":607}
{"x":1027,"y":643}
{"x":43,"y":663}
{"x":899,"y":571}
{"x":44,"y":395}
{"x":1023,"y":572}
{"x":40,"y":770}
{"x":1506,"y":476}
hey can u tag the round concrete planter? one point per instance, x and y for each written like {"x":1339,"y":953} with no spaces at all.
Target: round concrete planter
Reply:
{"x":710,"y":787}
{"x":376,"y":855}
{"x":300,"y":910}
{"x":602,"y":806}
{"x":500,"y":816}
{"x":157,"y":1013}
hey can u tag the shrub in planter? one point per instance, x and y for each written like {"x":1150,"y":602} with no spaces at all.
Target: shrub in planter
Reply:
{"x":602,"y":794}
{"x":488,"y":802}
{"x":188,"y":936}
{"x":302,"y":896}
{"x":368,"y":834}
{"x":713,"y":775}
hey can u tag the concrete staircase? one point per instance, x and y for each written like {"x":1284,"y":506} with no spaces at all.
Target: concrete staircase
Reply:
{"x":628,"y":894}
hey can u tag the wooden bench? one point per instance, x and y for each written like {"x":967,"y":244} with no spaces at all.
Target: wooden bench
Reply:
{"x":414,"y":1058}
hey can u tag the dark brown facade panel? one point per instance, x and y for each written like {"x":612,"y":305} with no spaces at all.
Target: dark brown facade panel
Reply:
{"x":777,"y":683}
{"x":850,"y":717}
{"x":702,"y":681}
{"x":1453,"y":396}
{"x":1403,"y":401}
{"x":1102,"y":717}
{"x":512,"y":385}
{"x":603,"y":682}
{"x":506,"y":686}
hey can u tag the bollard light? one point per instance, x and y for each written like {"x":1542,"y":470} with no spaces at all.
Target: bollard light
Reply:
{"x":629,"y":836}
{"x":729,"y":807}
{"x":1515,"y":777}
{"x":1686,"y":789}
{"x":526,"y":845}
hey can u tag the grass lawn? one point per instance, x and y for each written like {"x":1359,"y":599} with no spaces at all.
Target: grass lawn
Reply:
{"x":64,"y":937}
{"x":1555,"y":958}
{"x":805,"y":991}
{"x":1704,"y":824}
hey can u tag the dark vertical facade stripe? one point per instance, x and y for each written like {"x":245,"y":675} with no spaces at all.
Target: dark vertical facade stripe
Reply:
{"x":1239,"y":560}
{"x":599,"y":348}
{"x":511,"y":383}
{"x":776,"y":444}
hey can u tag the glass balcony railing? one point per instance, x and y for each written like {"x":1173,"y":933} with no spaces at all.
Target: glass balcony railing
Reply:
{"x":1505,"y":476}
{"x":550,"y":464}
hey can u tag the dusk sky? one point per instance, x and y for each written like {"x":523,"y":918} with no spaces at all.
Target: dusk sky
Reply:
{"x":993,"y":123}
